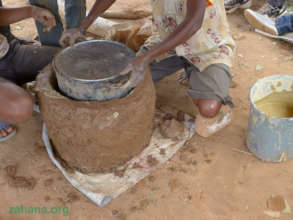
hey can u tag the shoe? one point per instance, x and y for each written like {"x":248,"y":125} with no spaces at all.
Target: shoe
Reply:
{"x":260,"y":22}
{"x":272,"y":11}
{"x":206,"y":127}
{"x":232,"y":5}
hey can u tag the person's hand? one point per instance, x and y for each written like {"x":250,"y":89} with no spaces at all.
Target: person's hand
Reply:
{"x":44,"y":17}
{"x":71,"y":37}
{"x":137,"y":69}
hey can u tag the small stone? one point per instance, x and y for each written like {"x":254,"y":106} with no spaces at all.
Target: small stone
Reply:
{"x":174,"y":184}
{"x":180,"y":116}
{"x":238,"y":36}
{"x":259,"y":67}
{"x":233,"y":85}
{"x":276,"y":203}
{"x":48,"y":182}
{"x":151,"y":178}
{"x":47,"y":198}
{"x":163,"y":152}
{"x":10,"y":170}
{"x":116,"y":213}
{"x":72,"y":197}
{"x":116,"y":114}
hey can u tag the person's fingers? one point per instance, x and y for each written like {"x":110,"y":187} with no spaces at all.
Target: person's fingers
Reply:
{"x":64,"y":41}
{"x":47,"y":28}
{"x":46,"y":18}
{"x":136,"y":77}
{"x":72,"y":40}
{"x":50,"y":22}
{"x":127,"y":70}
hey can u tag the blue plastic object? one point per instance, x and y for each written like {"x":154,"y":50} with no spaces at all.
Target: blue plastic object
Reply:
{"x":268,"y":138}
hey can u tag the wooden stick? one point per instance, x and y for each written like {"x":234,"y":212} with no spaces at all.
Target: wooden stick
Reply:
{"x":241,"y":151}
{"x":131,"y":15}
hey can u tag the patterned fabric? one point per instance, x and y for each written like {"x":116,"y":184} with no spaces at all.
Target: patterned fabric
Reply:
{"x":211,"y":44}
{"x":4,"y":46}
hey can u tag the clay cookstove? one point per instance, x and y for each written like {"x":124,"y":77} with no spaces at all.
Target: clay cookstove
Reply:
{"x":95,"y":136}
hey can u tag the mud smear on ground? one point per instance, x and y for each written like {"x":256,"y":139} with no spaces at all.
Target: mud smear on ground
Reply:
{"x":143,"y":204}
{"x":276,"y":203}
{"x":172,"y":129}
{"x":152,"y":161}
{"x":163,"y":152}
{"x":14,"y":181}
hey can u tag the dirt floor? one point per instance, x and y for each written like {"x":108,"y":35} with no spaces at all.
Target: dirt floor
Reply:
{"x":209,"y":180}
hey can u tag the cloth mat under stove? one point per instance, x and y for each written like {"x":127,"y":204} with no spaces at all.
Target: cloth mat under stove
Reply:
{"x":103,"y":188}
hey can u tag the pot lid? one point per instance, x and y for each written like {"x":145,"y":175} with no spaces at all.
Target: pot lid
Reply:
{"x":96,"y":60}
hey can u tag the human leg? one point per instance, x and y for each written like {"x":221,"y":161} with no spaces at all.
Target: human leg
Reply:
{"x":284,"y":24}
{"x":28,"y":60}
{"x":75,"y":12}
{"x":21,"y":64}
{"x":16,"y":104}
{"x":5,"y":30}
{"x":209,"y":92}
{"x":166,"y":67}
{"x":52,"y":37}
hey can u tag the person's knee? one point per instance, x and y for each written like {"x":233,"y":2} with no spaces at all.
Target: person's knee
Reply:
{"x":208,"y":108}
{"x":20,"y":108}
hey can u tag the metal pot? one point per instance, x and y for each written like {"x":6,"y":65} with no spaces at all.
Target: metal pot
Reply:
{"x":89,"y":71}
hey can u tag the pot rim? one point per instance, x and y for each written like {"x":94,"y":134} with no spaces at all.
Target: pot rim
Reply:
{"x":88,"y":80}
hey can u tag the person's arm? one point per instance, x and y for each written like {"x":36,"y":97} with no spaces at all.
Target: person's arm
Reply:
{"x":74,"y":35}
{"x":12,"y":15}
{"x":191,"y":24}
{"x":98,"y":8}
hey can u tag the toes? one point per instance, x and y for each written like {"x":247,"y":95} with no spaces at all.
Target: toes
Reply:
{"x":3,"y":133}
{"x":9,"y":129}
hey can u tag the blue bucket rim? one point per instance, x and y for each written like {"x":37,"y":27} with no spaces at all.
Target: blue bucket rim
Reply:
{"x":273,"y":77}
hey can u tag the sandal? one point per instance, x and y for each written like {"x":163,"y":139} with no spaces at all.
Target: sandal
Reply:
{"x":4,"y":127}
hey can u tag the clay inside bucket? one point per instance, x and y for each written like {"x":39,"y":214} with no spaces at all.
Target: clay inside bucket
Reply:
{"x":277,"y":104}
{"x":273,"y":96}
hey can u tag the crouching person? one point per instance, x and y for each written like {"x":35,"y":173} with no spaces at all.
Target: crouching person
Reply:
{"x":20,"y":64}
{"x":195,"y":35}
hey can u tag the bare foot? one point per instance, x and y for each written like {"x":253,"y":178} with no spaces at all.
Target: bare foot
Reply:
{"x":6,"y":131}
{"x":206,"y":127}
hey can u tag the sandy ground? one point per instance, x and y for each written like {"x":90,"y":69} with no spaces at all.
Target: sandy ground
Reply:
{"x":209,"y":180}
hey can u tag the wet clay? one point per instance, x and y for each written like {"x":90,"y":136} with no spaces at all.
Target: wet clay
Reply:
{"x":152,"y":161}
{"x":97,"y":136}
{"x":276,"y":203}
{"x":14,"y":181}
{"x":277,"y":104}
{"x":172,"y":129}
